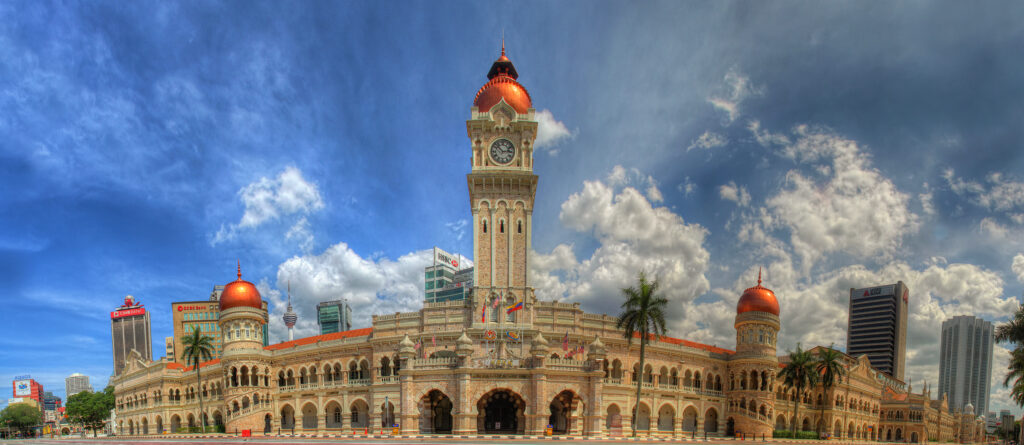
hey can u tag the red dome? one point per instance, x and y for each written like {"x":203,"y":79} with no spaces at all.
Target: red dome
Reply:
{"x":758,"y":298}
{"x":240,"y":293}
{"x":502,"y":84}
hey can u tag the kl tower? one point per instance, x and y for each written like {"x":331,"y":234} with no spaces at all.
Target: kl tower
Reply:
{"x":289,"y":316}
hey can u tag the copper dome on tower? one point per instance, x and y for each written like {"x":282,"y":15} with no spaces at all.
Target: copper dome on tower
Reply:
{"x":502,"y":85}
{"x":240,"y":293}
{"x":758,"y":298}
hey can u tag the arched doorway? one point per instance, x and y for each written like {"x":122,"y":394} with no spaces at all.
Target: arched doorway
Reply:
{"x":191,"y":421}
{"x":730,"y":427}
{"x":387,"y":411}
{"x":850,"y":431}
{"x":435,"y":412}
{"x":287,"y":417}
{"x":913,"y":437}
{"x":218,"y":421}
{"x":175,"y":423}
{"x":360,"y":413}
{"x":888,"y":435}
{"x":131,"y":427}
{"x":780,"y":422}
{"x":667,"y":418}
{"x":642,"y":422}
{"x":332,"y":414}
{"x":711,"y":421}
{"x":159,"y":425}
{"x":500,"y":411}
{"x":899,"y":435}
{"x":689,"y":419}
{"x":309,"y":417}
{"x":613,"y":420}
{"x":268,"y":424}
{"x":562,"y":411}
{"x":145,"y":425}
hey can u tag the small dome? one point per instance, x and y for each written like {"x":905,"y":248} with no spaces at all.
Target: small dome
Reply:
{"x":502,"y":85}
{"x":969,"y":409}
{"x":464,"y":339}
{"x":240,"y":293}
{"x":758,"y":298}
{"x":539,"y":340}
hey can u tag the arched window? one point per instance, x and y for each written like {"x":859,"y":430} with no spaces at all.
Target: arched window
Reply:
{"x":501,"y":226}
{"x":519,"y":225}
{"x":485,"y":225}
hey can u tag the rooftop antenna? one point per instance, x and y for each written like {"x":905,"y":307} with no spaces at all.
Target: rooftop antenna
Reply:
{"x":289,"y":316}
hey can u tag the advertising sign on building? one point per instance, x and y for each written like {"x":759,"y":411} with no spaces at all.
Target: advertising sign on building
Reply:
{"x":22,"y":388}
{"x":127,"y":312}
{"x":441,"y":256}
{"x":873,"y":291}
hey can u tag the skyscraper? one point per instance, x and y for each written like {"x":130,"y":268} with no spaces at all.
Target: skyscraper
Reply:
{"x":444,"y":280}
{"x":965,"y":362}
{"x":76,"y":383}
{"x":334,"y":316}
{"x":877,"y":327}
{"x":129,"y":329}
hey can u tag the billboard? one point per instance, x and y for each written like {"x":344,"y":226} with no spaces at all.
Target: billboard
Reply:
{"x":196,"y":307}
{"x":443,"y":257}
{"x":22,"y":388}
{"x":128,"y":312}
{"x":873,"y":291}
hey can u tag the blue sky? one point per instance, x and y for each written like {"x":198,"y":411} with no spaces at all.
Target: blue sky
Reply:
{"x":147,"y":146}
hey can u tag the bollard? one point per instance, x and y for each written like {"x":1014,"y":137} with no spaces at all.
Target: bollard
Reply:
{"x":705,"y":436}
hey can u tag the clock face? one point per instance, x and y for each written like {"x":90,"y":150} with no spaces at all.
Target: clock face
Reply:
{"x":502,"y":151}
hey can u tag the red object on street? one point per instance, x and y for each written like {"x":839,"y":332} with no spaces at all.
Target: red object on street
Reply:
{"x":246,"y":433}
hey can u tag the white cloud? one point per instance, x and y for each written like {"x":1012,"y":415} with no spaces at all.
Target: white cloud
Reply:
{"x":708,"y":140}
{"x":620,"y":176}
{"x":269,"y":199}
{"x":765,"y":137}
{"x":550,"y":132}
{"x":1018,"y":266}
{"x":632,"y":235}
{"x":850,"y":207}
{"x":737,"y":89}
{"x":372,"y":285}
{"x":458,"y":228}
{"x":998,"y":195}
{"x":301,"y":233}
{"x":734,"y":193}
{"x":686,"y":187}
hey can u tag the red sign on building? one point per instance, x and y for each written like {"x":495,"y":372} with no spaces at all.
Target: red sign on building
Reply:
{"x":127,"y":312}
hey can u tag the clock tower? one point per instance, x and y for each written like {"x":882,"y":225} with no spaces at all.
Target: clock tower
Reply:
{"x":502,"y":186}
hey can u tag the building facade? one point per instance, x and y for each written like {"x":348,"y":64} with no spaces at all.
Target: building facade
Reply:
{"x":877,"y":327}
{"x":76,"y":383}
{"x":27,"y":388}
{"x":334,"y":316}
{"x":446,"y":279}
{"x":130,"y":330}
{"x":500,"y":361}
{"x":965,"y":361}
{"x":202,"y":315}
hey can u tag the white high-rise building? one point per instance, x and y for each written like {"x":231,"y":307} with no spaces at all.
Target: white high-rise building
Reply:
{"x":965,"y":362}
{"x":76,"y":383}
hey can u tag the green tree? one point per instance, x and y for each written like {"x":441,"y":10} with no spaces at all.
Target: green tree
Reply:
{"x":1013,"y":332}
{"x":643,"y":313}
{"x":830,"y":369}
{"x":90,"y":409}
{"x":799,"y":374}
{"x":21,"y":417}
{"x":197,"y":348}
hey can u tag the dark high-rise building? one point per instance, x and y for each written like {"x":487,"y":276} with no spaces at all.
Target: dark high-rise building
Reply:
{"x":877,"y":327}
{"x":334,"y":316}
{"x":965,"y":362}
{"x":129,"y":329}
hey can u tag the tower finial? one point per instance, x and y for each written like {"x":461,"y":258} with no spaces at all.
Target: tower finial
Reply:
{"x":503,"y":41}
{"x":239,"y":269}
{"x":289,"y":294}
{"x":759,"y":275}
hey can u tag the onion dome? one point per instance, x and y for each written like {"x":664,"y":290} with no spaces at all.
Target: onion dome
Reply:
{"x":502,"y":85}
{"x":463,"y":345}
{"x":539,"y":347}
{"x":596,"y":348}
{"x":240,"y":293}
{"x":969,"y":409}
{"x":758,"y":298}
{"x":406,"y":348}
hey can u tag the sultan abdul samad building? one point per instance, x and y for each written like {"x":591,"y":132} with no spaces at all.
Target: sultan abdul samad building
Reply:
{"x":471,"y":367}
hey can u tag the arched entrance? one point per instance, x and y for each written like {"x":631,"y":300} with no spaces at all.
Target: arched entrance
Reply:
{"x":780,"y":422}
{"x":145,"y":425}
{"x":332,"y":414}
{"x":360,"y":414}
{"x":191,"y":421}
{"x":309,"y":417}
{"x":689,"y":419}
{"x":435,"y":413}
{"x":730,"y":427}
{"x":175,"y":423}
{"x":837,"y":429}
{"x":667,"y":418}
{"x":642,"y":422}
{"x":711,"y":421}
{"x":218,"y":421}
{"x":899,"y":435}
{"x":913,"y":437}
{"x":268,"y":424}
{"x":387,"y":411}
{"x":159,"y":425}
{"x":500,"y":411}
{"x":563,"y":409}
{"x":287,"y":417}
{"x":888,"y":435}
{"x":131,"y":427}
{"x":613,"y":419}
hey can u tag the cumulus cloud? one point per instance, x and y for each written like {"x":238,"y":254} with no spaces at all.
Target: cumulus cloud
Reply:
{"x":1018,"y":266}
{"x":550,"y":132}
{"x":846,"y":206}
{"x":999,"y":194}
{"x":734,"y":193}
{"x":632,"y":235}
{"x":373,"y":285}
{"x":708,"y":140}
{"x":737,"y":89}
{"x":620,"y":176}
{"x":269,"y":199}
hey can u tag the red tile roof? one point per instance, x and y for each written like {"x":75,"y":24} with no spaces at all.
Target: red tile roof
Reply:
{"x":692,"y":344}
{"x":326,"y":337}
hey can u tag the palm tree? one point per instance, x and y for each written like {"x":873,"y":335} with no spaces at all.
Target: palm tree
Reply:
{"x":198,"y":348}
{"x":643,"y":313}
{"x":830,"y":368}
{"x":799,"y":374}
{"x":1013,"y":332}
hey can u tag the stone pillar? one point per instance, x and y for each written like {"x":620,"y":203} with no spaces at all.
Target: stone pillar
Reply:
{"x":321,"y":424}
{"x":537,"y":420}
{"x":463,"y":420}
{"x":409,"y":405}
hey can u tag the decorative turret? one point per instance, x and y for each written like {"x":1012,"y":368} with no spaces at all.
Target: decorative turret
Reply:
{"x":464,"y":345}
{"x":596,"y":350}
{"x":539,"y":346}
{"x":406,"y":348}
{"x":753,"y":369}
